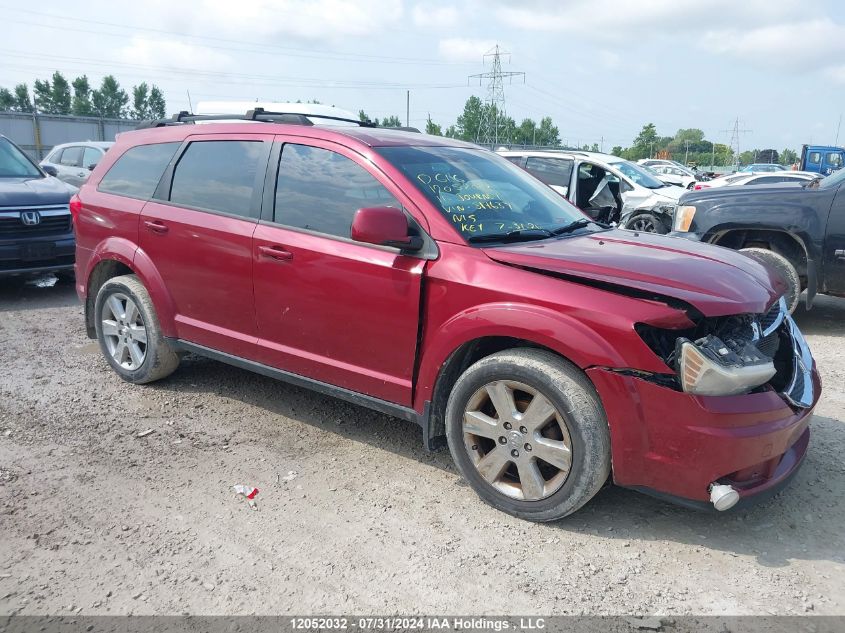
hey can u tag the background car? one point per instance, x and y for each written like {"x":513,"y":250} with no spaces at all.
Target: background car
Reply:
{"x":758,"y":167}
{"x":674,"y":175}
{"x":73,"y":162}
{"x":606,"y":187}
{"x":766,"y":178}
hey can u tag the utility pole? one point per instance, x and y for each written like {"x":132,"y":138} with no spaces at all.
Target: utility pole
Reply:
{"x":838,"y":125}
{"x":408,"y":108}
{"x":686,"y":154}
{"x":601,"y":144}
{"x":493,"y":116}
{"x":735,"y":133}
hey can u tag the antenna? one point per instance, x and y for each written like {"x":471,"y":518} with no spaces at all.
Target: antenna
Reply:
{"x":493,"y":115}
{"x":190,"y":107}
{"x":838,"y":125}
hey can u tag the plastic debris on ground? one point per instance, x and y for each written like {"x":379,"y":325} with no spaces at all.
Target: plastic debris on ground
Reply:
{"x":43,"y":281}
{"x":247,"y":491}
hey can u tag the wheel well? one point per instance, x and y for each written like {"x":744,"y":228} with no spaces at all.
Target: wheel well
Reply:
{"x":103,"y":271}
{"x":457,"y":363}
{"x":780,"y":242}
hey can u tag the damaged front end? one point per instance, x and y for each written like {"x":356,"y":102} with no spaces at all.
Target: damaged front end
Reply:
{"x":738,"y":354}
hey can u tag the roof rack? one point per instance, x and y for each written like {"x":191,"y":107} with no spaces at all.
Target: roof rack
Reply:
{"x":256,"y":114}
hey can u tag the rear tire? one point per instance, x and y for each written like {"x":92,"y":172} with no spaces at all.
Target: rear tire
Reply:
{"x":783,"y":266}
{"x":129,"y":333}
{"x":549,"y":452}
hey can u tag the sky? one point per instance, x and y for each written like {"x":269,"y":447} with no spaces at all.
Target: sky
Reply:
{"x":600,"y":68}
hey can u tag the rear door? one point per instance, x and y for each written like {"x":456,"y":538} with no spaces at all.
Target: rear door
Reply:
{"x":331,"y":309}
{"x":70,"y":165}
{"x":198,"y":232}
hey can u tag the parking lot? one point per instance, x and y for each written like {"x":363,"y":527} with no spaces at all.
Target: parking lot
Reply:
{"x":352,"y":514}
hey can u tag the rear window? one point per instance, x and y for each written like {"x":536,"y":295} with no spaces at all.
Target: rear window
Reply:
{"x":137,"y":172}
{"x":217,"y":175}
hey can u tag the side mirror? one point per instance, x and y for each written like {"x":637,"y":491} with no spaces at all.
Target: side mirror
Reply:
{"x":50,"y":170}
{"x":91,"y":166}
{"x":385,"y":226}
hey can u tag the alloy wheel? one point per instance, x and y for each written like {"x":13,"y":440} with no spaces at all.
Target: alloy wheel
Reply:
{"x":644,"y":225}
{"x":517,"y":440}
{"x":124,"y":332}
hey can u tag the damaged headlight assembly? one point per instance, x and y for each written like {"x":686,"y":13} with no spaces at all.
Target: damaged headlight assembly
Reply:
{"x":708,"y":367}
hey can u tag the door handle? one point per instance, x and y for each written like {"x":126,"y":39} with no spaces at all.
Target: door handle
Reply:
{"x":155,"y":226}
{"x":275,"y":252}
{"x":81,"y":174}
{"x":839,"y":253}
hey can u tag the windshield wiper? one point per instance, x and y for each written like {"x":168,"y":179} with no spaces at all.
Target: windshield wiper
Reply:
{"x":572,"y":226}
{"x":520,"y":235}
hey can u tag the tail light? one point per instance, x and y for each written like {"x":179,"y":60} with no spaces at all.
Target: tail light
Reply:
{"x":699,"y":187}
{"x":75,"y":208}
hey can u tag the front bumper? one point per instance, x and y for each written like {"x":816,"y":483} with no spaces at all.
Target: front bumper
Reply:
{"x":43,"y":254}
{"x":674,"y":444}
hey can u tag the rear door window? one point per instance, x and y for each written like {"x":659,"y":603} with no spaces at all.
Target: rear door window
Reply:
{"x":552,"y":171}
{"x":90,"y":157}
{"x":320,"y":190}
{"x":217,"y":176}
{"x":71,"y":156}
{"x":137,"y":172}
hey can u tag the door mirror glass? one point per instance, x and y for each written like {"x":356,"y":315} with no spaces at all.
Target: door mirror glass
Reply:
{"x":385,"y":226}
{"x":50,"y":170}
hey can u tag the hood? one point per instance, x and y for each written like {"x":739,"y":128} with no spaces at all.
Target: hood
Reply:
{"x":716,"y":281}
{"x":672,"y":192}
{"x":779,"y":190}
{"x":27,"y":192}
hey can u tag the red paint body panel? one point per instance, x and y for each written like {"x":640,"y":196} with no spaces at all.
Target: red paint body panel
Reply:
{"x":383,"y":324}
{"x":676,"y":443}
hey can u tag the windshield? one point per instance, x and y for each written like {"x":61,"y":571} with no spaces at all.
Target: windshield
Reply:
{"x":638,"y":174}
{"x":14,"y":163}
{"x":483,"y":195}
{"x":831,"y":181}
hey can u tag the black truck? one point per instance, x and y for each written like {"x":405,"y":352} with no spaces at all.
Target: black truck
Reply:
{"x":36,"y":231}
{"x":799,"y":229}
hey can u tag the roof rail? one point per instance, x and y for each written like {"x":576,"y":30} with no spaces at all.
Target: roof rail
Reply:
{"x":256,"y":114}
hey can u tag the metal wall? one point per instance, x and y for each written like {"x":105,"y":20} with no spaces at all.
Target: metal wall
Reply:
{"x":36,"y":134}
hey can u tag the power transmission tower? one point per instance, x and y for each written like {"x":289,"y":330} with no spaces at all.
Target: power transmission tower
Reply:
{"x":493,"y":117}
{"x":735,"y":133}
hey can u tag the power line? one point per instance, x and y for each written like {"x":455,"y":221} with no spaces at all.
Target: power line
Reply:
{"x":494,"y":117}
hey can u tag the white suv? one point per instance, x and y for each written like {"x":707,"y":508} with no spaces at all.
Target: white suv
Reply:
{"x":605,"y":187}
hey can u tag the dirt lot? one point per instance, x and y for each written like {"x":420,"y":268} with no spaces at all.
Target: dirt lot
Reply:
{"x":353,"y":515}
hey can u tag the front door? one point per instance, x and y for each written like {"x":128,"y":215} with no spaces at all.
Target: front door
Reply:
{"x":198,"y":232}
{"x":834,"y":246}
{"x":331,"y":309}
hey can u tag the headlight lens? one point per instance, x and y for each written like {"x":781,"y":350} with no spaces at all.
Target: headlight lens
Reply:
{"x":683,"y":218}
{"x":709,"y":368}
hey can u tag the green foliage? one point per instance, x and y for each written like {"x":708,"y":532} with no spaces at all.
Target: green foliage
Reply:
{"x":81,"y":100}
{"x":617,"y":150}
{"x":432,"y":128}
{"x":61,"y":94}
{"x":7,"y":100}
{"x":156,"y":104}
{"x":788,"y":157}
{"x":391,"y":121}
{"x":23,"y":103}
{"x":43,"y":96}
{"x":110,"y":99}
{"x":469,"y":122}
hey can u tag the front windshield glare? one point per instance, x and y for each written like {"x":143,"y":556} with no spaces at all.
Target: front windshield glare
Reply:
{"x":638,"y":175}
{"x":482,"y":194}
{"x":14,"y":164}
{"x":833,"y":180}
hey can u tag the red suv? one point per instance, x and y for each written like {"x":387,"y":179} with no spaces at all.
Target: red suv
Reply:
{"x":437,"y":282}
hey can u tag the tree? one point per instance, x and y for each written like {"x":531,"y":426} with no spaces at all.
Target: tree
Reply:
{"x":60,"y":96}
{"x":22,"y":101}
{"x":768,"y":156}
{"x":391,"y":121}
{"x":43,"y":96}
{"x":788,"y":157}
{"x":140,"y":105}
{"x":81,"y":101}
{"x":156,"y":104}
{"x":547,"y":133}
{"x":617,"y":150}
{"x":747,"y":157}
{"x":469,"y":123}
{"x":451,"y":132}
{"x":432,"y":128}
{"x":7,"y":100}
{"x":110,"y":99}
{"x":645,"y":142}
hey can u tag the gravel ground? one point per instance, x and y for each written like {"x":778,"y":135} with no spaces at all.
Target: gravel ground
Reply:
{"x":353,"y":516}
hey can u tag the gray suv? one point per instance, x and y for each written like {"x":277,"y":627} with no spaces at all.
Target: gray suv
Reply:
{"x":73,"y":162}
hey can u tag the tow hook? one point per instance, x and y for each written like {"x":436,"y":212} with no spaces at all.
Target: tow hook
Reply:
{"x":722,"y":496}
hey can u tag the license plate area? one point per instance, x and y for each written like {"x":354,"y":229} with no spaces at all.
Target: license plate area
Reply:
{"x":37,"y":250}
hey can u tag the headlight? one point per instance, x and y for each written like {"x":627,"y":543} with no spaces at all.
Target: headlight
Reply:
{"x":709,"y":368}
{"x":668,"y":209}
{"x":683,"y":218}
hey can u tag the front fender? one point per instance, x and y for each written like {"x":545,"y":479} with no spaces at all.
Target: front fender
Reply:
{"x":561,"y":333}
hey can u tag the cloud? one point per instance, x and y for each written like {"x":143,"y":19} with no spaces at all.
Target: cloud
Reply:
{"x":172,"y":54}
{"x":305,"y":19}
{"x":609,"y":59}
{"x":458,"y":49}
{"x":439,"y":17}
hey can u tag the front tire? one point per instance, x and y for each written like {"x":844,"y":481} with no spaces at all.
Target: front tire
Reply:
{"x":646,"y":223}
{"x":786,"y":270}
{"x":527,"y":431}
{"x":129,"y":333}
